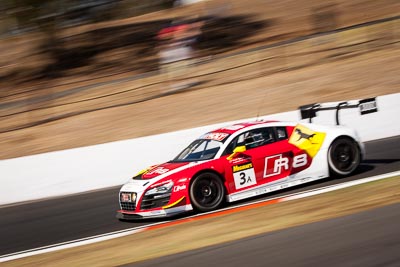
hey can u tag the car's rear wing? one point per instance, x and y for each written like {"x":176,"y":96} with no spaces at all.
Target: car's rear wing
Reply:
{"x":366,"y":106}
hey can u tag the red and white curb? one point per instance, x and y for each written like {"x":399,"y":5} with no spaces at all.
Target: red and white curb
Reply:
{"x":121,"y":233}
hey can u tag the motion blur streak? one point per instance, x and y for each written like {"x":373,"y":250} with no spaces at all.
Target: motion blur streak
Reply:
{"x":64,"y":64}
{"x":230,"y":210}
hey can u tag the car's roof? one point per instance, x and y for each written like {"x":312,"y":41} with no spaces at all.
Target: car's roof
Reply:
{"x":230,"y":129}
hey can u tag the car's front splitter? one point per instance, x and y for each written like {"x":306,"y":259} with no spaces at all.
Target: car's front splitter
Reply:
{"x":158,"y":213}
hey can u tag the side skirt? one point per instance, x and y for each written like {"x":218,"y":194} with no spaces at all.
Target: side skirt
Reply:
{"x":267,"y":188}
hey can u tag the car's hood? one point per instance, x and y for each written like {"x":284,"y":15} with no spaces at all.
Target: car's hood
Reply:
{"x":162,"y":169}
{"x":154,"y":174}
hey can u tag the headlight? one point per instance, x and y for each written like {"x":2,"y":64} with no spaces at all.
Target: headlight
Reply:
{"x":161,"y":189}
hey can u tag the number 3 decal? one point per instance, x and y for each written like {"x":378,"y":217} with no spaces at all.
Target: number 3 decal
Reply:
{"x":244,"y":176}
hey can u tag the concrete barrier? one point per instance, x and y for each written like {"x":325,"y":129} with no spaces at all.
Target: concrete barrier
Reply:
{"x":100,"y":166}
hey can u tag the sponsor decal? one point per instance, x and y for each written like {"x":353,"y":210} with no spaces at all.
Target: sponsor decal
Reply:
{"x":182,"y":180}
{"x":238,"y":168}
{"x":368,"y":106}
{"x":215,"y":136}
{"x":244,"y":175}
{"x":179,"y":188}
{"x":275,"y":165}
{"x":307,"y":140}
{"x":237,"y":160}
{"x":157,"y":170}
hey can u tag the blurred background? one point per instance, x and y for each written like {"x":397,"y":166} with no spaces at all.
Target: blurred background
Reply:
{"x":77,"y":73}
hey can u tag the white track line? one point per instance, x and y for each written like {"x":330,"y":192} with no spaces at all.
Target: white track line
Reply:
{"x":341,"y":186}
{"x":112,"y":235}
{"x":65,"y":245}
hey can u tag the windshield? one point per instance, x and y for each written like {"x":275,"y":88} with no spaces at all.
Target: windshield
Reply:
{"x":200,"y":149}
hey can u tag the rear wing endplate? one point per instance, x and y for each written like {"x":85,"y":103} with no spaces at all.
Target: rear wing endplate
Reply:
{"x":365,"y":106}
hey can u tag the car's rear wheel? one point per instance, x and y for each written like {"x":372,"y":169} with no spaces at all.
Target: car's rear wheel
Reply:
{"x":207,"y":192}
{"x":343,"y":156}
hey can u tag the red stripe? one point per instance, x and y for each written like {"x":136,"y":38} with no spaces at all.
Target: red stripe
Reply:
{"x":216,"y":214}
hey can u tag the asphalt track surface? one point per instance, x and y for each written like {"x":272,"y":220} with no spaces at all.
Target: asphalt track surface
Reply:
{"x":369,"y":238}
{"x":64,"y":219}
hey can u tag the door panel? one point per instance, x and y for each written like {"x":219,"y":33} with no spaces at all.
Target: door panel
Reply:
{"x":239,"y":173}
{"x":272,"y":162}
{"x":267,"y":159}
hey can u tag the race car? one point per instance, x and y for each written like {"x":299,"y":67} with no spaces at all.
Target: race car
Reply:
{"x":238,"y":162}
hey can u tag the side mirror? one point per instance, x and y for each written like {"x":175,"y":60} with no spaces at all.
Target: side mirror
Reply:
{"x":236,"y":151}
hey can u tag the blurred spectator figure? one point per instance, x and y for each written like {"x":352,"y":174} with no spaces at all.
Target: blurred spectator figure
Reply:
{"x":176,"y":52}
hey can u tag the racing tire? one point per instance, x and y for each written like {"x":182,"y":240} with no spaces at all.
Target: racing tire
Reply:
{"x":207,"y":192}
{"x":343,"y":157}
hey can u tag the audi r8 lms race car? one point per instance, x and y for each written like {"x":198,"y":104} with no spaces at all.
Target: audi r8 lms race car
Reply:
{"x":237,"y":162}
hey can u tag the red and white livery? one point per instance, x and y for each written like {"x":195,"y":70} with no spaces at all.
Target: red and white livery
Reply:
{"x":237,"y":162}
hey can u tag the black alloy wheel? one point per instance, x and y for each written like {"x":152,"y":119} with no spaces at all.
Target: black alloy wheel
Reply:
{"x":207,"y":192}
{"x":343,"y":156}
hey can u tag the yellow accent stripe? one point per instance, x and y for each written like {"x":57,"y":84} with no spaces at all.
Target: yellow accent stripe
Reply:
{"x":173,"y":204}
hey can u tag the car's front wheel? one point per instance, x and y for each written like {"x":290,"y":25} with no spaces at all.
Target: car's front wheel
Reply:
{"x":343,"y":156}
{"x":207,"y":192}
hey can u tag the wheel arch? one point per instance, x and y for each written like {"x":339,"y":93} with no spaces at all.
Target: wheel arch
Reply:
{"x":210,"y":171}
{"x":348,"y":137}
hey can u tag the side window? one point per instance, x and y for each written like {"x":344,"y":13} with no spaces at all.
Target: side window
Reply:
{"x":259,"y":137}
{"x":252,"y":139}
{"x":281,"y":133}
